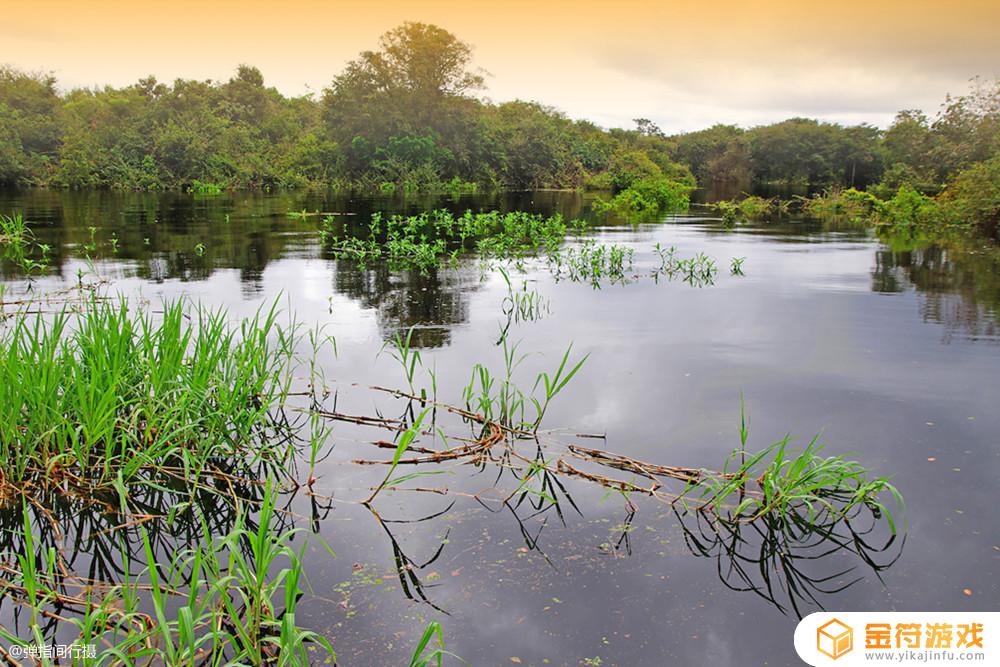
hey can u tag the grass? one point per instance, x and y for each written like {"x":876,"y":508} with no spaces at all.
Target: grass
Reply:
{"x":592,"y":262}
{"x":96,"y":398}
{"x":401,"y":349}
{"x":17,"y":244}
{"x":787,"y":483}
{"x":499,"y":398}
{"x":14,"y":231}
{"x":221,"y":600}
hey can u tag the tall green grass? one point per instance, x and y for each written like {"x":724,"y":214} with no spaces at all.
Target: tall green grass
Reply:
{"x":94,"y":397}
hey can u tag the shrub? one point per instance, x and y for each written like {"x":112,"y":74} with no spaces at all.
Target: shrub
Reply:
{"x":973,"y":198}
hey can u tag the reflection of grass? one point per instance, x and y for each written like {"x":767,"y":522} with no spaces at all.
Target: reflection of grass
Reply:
{"x":237,"y":607}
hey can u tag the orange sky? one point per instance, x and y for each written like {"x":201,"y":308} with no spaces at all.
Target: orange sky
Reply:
{"x":684,"y":64}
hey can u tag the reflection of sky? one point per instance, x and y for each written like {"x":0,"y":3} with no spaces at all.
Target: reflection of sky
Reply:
{"x":801,"y":336}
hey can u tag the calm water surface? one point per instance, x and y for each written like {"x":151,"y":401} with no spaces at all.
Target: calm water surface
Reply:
{"x":891,"y":353}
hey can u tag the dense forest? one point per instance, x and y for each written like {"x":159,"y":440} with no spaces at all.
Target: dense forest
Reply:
{"x":408,"y":116}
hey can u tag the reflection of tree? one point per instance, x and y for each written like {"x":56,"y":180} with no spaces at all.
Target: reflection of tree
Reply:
{"x":959,"y":288}
{"x":432,"y":303}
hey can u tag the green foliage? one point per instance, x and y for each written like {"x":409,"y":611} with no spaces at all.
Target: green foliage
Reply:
{"x":405,"y":118}
{"x":907,"y":208}
{"x":751,"y":207}
{"x":797,"y":485}
{"x":647,"y":196}
{"x":17,"y":245}
{"x":424,"y":241}
{"x":973,"y":198}
{"x":199,"y":188}
{"x":850,"y":204}
{"x":400,"y":119}
{"x":106,"y":394}
{"x":807,"y":152}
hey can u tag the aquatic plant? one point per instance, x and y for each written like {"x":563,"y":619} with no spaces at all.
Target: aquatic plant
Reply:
{"x":230,"y":599}
{"x":98,"y":397}
{"x":592,"y":262}
{"x":14,"y":230}
{"x":401,"y":349}
{"x":17,"y":244}
{"x":784,"y":482}
{"x":850,"y":204}
{"x":646,"y":196}
{"x":522,"y":305}
{"x":422,"y":656}
{"x":424,"y":241}
{"x":554,"y":384}
{"x":736,"y":266}
{"x":204,"y":188}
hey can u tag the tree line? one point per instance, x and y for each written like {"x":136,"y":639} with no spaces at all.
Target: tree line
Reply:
{"x":406,"y":117}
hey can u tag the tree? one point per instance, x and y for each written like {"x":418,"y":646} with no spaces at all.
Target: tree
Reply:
{"x":404,"y":86}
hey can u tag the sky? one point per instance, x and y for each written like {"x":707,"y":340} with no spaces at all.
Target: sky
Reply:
{"x":684,"y":64}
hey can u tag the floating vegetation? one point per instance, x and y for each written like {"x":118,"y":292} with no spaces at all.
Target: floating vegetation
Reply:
{"x":750,"y":207}
{"x":426,"y":240}
{"x":736,"y":266}
{"x":205,"y":188}
{"x":592,"y":261}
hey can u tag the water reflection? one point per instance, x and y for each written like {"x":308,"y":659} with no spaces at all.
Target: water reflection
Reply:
{"x":173,"y":236}
{"x":959,"y":288}
{"x":433,"y":303}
